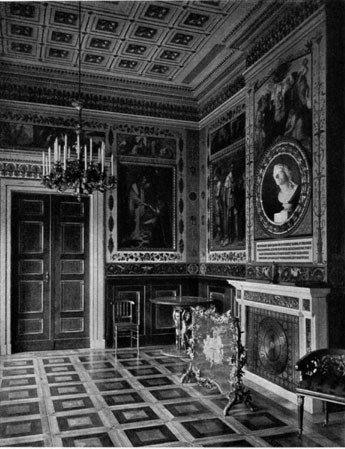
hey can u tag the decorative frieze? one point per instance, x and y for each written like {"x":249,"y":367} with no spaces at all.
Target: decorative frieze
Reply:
{"x":134,"y":106}
{"x":295,"y":16}
{"x":113,"y":269}
{"x":288,"y":302}
{"x":286,"y":274}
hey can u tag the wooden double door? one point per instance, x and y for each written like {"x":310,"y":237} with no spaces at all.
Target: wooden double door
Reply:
{"x":49,"y":288}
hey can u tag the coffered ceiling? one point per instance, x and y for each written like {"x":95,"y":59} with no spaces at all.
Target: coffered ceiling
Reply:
{"x":182,"y":48}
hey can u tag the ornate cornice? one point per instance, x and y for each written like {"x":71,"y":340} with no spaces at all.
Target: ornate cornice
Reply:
{"x":292,"y":19}
{"x":229,"y":91}
{"x":135,"y":106}
{"x":87,"y":77}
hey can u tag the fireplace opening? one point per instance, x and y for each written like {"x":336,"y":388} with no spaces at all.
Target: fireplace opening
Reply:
{"x":273,"y":346}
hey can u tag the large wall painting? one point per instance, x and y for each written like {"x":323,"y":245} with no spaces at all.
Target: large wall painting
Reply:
{"x":227,"y":134}
{"x":18,"y":135}
{"x":145,"y":146}
{"x":283,"y":106}
{"x":146,"y":207}
{"x":228,"y":198}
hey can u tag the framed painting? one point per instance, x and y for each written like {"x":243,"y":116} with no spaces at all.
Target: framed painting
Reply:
{"x":283,"y":187}
{"x":146,"y":146}
{"x":283,"y":106}
{"x":147,"y":207}
{"x":228,"y":201}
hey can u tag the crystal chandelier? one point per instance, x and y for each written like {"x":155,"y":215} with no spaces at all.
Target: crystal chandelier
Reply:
{"x":74,"y":167}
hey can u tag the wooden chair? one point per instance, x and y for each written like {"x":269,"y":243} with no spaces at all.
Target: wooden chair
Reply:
{"x":126,"y":322}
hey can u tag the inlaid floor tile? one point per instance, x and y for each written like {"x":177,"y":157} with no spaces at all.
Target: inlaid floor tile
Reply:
{"x":290,"y":439}
{"x":113,"y":385}
{"x":54,"y":379}
{"x":259,"y":421}
{"x":170,"y":393}
{"x":93,"y":358}
{"x":93,"y":440}
{"x":67,"y":389}
{"x":144,"y":371}
{"x":19,"y":409}
{"x":146,"y":436}
{"x":16,"y":363}
{"x":212,"y":427}
{"x":11,"y":395}
{"x":18,"y":382}
{"x":135,"y":415}
{"x":231,"y":443}
{"x":75,"y":403}
{"x":155,"y":382}
{"x":20,"y":428}
{"x":95,"y":375}
{"x":127,"y":356}
{"x":39,"y":443}
{"x":78,"y":422}
{"x":134,"y":363}
{"x":131,"y":397}
{"x":11,"y":372}
{"x":59,"y":369}
{"x":56,"y":360}
{"x":187,"y":408}
{"x":97,"y":365}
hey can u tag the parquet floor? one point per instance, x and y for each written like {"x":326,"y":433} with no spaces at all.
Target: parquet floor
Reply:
{"x":90,"y":399}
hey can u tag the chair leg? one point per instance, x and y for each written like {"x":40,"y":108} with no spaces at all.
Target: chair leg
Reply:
{"x":138,"y":342}
{"x":325,"y":405}
{"x":300,"y":403}
{"x":115,"y":341}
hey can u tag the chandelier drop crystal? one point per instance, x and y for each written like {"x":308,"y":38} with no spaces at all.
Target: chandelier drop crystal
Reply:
{"x":75,"y":167}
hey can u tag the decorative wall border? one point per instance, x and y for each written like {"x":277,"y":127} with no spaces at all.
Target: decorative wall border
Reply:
{"x":288,"y":302}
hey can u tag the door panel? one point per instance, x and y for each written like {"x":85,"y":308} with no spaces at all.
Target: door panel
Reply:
{"x":49,"y":256}
{"x":31,"y":313}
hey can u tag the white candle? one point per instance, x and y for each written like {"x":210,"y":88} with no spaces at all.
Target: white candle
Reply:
{"x":64,"y":156}
{"x":78,"y":146}
{"x":66,"y":142}
{"x":69,"y":153}
{"x":112,"y":165}
{"x":43,"y":163}
{"x":85,"y":161}
{"x":103,"y":151}
{"x":90,"y":150}
{"x":49,"y":159}
{"x":59,"y":153}
{"x":99,"y":155}
{"x":55,"y":150}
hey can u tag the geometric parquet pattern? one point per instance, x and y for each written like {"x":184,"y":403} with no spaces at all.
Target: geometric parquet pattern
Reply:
{"x":92,"y":399}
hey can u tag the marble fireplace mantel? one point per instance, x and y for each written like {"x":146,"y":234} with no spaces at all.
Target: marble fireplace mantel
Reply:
{"x":307,"y":306}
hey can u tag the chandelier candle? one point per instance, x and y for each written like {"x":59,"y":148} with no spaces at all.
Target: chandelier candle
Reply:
{"x":80,"y":174}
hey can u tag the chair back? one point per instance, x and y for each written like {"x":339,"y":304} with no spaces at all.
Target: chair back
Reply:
{"x":124,"y":311}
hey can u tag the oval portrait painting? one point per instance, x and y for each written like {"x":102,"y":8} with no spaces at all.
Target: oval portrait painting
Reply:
{"x":283,"y":187}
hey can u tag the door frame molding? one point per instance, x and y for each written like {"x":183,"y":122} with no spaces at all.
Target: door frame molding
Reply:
{"x":96,"y":250}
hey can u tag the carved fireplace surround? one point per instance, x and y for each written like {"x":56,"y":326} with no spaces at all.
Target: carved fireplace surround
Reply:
{"x":280,"y":324}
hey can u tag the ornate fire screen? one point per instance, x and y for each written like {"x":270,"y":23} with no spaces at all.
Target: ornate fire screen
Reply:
{"x":217,"y":355}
